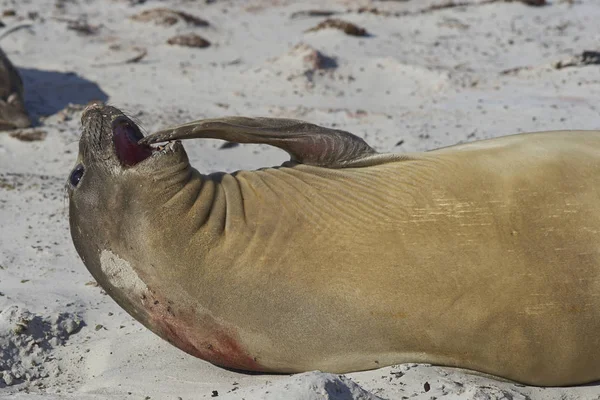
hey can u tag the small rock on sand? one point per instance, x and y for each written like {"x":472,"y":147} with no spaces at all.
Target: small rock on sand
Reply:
{"x":189,"y":40}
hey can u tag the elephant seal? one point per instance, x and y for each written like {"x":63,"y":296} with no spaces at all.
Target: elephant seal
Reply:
{"x":483,"y":256}
{"x":13,"y":114}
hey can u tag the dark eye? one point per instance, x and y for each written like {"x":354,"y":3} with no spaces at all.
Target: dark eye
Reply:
{"x":76,"y":175}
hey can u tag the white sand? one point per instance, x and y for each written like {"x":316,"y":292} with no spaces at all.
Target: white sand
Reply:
{"x":426,"y":80}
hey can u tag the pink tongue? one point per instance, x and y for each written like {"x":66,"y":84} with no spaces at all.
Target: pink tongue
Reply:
{"x":125,"y":139}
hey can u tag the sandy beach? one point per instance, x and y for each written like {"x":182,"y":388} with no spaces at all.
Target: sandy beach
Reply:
{"x":406,"y":76}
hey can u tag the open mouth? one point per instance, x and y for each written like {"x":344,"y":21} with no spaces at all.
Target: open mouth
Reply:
{"x":126,"y":136}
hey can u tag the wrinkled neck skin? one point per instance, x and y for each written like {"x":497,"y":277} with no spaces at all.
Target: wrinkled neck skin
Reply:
{"x":141,"y":260}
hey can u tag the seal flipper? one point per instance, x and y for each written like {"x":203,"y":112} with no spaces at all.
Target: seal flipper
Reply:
{"x":305,"y":143}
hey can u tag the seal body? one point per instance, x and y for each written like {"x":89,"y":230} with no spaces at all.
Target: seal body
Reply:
{"x":12,"y":105}
{"x":483,"y":256}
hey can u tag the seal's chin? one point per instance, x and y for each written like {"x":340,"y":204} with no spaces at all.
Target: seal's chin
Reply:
{"x":125,"y":138}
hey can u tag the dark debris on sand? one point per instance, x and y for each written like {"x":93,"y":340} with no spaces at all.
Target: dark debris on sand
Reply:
{"x":168,"y":17}
{"x":347,"y":27}
{"x":29,"y":135}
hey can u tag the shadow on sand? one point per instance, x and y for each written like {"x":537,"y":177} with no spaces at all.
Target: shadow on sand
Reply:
{"x":48,"y":92}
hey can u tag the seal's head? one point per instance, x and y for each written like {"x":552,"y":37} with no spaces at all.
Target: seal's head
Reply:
{"x":13,"y":114}
{"x":110,"y":141}
{"x":117,"y":183}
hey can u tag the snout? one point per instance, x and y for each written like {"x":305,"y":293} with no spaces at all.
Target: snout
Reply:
{"x":13,"y":116}
{"x":110,"y":127}
{"x":22,"y":121}
{"x":90,"y":107}
{"x":98,"y":114}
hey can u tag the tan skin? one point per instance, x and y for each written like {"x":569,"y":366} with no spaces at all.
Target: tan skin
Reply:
{"x":481,"y":256}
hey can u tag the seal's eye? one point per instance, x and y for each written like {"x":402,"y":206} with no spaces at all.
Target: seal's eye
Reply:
{"x":76,"y":175}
